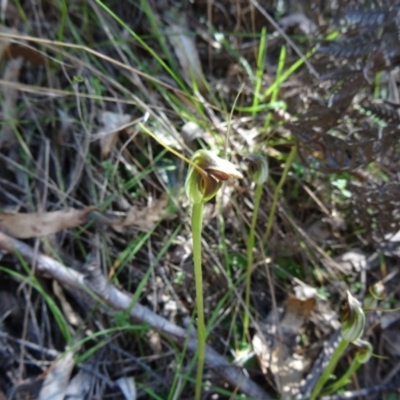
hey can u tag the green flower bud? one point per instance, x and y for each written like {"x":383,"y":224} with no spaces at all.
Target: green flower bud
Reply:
{"x":364,"y":351}
{"x":203,"y":183}
{"x":377,"y":290}
{"x":353,"y":319}
{"x":258,"y":168}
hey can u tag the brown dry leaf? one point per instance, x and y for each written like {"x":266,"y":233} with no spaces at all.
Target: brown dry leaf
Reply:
{"x":113,"y":123}
{"x":279,"y":356}
{"x":285,"y":363}
{"x":144,"y":218}
{"x":28,"y":225}
{"x":186,"y":52}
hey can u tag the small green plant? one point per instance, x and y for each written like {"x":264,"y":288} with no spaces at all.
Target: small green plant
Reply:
{"x":258,"y":170}
{"x":353,"y":322}
{"x":203,"y":181}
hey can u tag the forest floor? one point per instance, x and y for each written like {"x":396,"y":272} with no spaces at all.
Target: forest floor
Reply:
{"x":102,"y":104}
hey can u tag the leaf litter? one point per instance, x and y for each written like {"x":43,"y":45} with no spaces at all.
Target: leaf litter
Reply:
{"x":142,"y":218}
{"x":336,"y":138}
{"x":277,"y":348}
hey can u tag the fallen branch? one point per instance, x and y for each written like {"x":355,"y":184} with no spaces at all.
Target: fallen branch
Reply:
{"x":366,"y":392}
{"x":96,"y":282}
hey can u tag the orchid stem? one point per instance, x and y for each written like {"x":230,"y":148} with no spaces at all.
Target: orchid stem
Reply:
{"x":197,"y":224}
{"x":344,"y":379}
{"x":250,"y":249}
{"x":329,"y":368}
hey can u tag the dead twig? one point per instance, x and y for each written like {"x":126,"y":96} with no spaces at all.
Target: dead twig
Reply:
{"x":366,"y":392}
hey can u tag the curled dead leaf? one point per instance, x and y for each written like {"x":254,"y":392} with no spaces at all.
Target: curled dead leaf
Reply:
{"x":143,"y":218}
{"x":113,"y":123}
{"x":280,"y":356}
{"x":29,"y":225}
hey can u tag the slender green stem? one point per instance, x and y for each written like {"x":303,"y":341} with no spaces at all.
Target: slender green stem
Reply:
{"x":329,"y":368}
{"x":344,"y":379}
{"x":250,"y":248}
{"x":197,"y":224}
{"x":271,"y":216}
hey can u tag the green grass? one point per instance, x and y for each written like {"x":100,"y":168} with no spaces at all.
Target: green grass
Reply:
{"x":30,"y":279}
